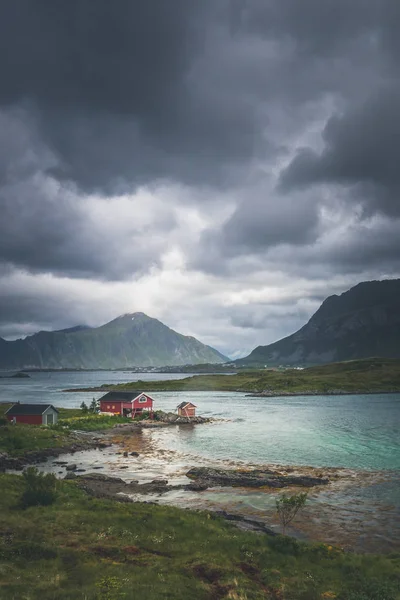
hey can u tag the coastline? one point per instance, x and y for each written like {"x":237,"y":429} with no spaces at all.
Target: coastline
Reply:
{"x":334,"y":513}
{"x":247,"y":393}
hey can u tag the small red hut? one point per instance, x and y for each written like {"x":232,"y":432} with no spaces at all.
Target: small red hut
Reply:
{"x":32,"y":414}
{"x":126,"y":404}
{"x":186,"y":409}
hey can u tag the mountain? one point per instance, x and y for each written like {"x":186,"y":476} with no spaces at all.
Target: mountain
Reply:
{"x":130,"y":340}
{"x":362,"y":322}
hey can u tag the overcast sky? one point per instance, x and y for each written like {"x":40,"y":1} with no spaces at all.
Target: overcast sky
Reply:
{"x":220,"y":165}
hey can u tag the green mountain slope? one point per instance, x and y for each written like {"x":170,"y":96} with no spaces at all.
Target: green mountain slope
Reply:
{"x":362,"y":322}
{"x":130,"y":340}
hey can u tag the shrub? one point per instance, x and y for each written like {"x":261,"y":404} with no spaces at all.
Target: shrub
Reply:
{"x":40,"y":489}
{"x":288,"y":507}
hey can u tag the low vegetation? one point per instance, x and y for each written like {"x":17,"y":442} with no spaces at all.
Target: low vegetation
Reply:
{"x":16,"y":440}
{"x":288,"y":506}
{"x":40,"y":488}
{"x":358,"y":376}
{"x":83,"y":548}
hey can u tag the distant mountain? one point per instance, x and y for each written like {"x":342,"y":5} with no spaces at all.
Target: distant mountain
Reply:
{"x":130,"y":340}
{"x":360,"y":323}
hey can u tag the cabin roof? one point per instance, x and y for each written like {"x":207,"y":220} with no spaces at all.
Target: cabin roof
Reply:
{"x":29,"y":409}
{"x":185,"y":404}
{"x":116,"y":396}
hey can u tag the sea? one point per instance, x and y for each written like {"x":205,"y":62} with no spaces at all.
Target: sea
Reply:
{"x":353,"y":438}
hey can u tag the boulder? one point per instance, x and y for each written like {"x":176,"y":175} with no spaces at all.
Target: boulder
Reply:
{"x":71,"y":467}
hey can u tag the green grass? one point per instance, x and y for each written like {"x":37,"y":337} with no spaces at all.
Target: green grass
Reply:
{"x":19,"y":439}
{"x":91,"y":422}
{"x":83,"y":548}
{"x":360,"y":376}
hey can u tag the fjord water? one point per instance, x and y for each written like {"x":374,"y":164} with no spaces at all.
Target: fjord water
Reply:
{"x":354,"y":431}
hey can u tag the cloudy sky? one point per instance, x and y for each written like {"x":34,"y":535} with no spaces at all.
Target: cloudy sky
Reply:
{"x":222,"y":165}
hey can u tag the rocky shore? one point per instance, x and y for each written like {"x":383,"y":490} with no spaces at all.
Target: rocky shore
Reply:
{"x":200,"y":479}
{"x":78,"y":443}
{"x":80,"y":440}
{"x":256,"y":478}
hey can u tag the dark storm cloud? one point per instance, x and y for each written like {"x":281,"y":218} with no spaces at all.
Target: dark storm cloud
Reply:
{"x":45,"y":226}
{"x":269,"y":221}
{"x":134,"y":91}
{"x":362,"y":148}
{"x":114,"y":88}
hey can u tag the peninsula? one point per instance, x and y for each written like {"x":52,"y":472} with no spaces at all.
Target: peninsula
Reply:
{"x":366,"y":376}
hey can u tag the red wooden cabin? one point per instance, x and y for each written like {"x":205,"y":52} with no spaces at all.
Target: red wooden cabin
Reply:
{"x":186,"y":409}
{"x":32,"y":414}
{"x":126,"y":404}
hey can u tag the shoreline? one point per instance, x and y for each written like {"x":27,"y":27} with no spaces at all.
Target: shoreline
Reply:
{"x":130,"y":465}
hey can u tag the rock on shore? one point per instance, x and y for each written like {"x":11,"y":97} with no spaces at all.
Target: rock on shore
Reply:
{"x":209,"y":477}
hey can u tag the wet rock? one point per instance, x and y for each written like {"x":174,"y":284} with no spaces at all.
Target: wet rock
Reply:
{"x":135,"y":454}
{"x":71,"y":467}
{"x":245,"y":523}
{"x":172,"y":418}
{"x":125,"y":454}
{"x":256,"y":478}
{"x":103,"y":478}
{"x":197,"y":486}
{"x":71,"y":475}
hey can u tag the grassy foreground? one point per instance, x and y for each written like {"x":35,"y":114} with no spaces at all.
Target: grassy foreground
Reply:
{"x":357,"y":376}
{"x":88,"y":549}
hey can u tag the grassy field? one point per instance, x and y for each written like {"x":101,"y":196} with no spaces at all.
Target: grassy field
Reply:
{"x":82,"y":548}
{"x":368,"y":376}
{"x":19,"y":439}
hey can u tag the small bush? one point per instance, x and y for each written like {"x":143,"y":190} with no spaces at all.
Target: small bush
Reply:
{"x":40,"y":489}
{"x":288,"y":507}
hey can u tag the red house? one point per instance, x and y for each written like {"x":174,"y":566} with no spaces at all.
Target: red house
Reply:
{"x":186,"y":409}
{"x":32,"y":414}
{"x":127,"y":404}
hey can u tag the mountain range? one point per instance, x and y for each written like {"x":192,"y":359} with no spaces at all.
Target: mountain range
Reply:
{"x":360,"y":323}
{"x":127,"y":341}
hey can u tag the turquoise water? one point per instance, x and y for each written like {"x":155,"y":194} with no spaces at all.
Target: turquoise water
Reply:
{"x":358,"y":432}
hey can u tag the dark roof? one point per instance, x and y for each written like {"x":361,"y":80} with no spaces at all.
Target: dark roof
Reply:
{"x":183,"y":404}
{"x":121,"y":396}
{"x":29,"y":409}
